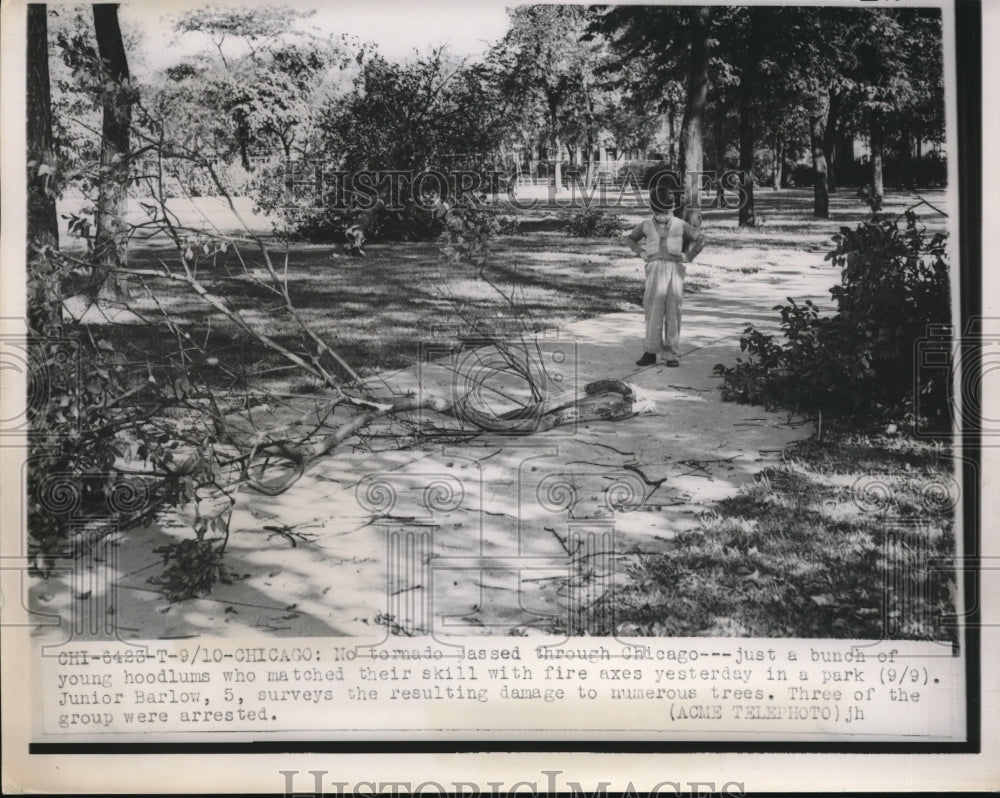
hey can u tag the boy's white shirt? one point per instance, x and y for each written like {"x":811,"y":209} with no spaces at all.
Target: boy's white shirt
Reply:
{"x":647,"y":237}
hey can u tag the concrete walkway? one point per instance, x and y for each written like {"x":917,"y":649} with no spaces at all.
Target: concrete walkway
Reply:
{"x":502,"y":534}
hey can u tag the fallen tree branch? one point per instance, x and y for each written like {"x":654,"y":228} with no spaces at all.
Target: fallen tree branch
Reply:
{"x":596,"y":404}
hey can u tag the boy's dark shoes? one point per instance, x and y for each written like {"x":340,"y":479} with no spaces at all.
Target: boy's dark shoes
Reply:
{"x":672,"y":362}
{"x":646,"y":360}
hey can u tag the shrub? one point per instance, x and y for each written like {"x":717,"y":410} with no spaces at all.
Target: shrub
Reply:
{"x":894,"y":283}
{"x":595,"y":223}
{"x":320,"y":211}
{"x":502,"y":224}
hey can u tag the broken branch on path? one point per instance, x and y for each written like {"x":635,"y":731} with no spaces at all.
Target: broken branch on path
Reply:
{"x":702,"y":465}
{"x":655,"y":483}
{"x":611,"y":448}
{"x":561,"y":541}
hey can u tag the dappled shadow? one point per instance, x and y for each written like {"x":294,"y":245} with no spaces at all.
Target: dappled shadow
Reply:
{"x":378,"y":312}
{"x":501,"y":557}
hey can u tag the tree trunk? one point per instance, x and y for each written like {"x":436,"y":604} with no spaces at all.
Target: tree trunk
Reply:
{"x":747,"y":216}
{"x":844,"y":149}
{"x":877,"y":146}
{"x":779,"y":166}
{"x":918,"y":166}
{"x":557,"y":161}
{"x":830,"y":139}
{"x":906,"y":177}
{"x":590,"y":162}
{"x":720,"y":161}
{"x":821,"y":196}
{"x":589,"y":137}
{"x":110,"y":235}
{"x":672,"y":144}
{"x":556,"y":155}
{"x":786,"y":173}
{"x":43,"y":224}
{"x":244,"y":148}
{"x":692,"y":138}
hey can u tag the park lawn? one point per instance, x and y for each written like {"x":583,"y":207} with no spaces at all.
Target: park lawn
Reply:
{"x":850,"y":537}
{"x":380,"y":311}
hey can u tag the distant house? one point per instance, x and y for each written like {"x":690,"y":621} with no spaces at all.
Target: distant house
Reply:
{"x":608,"y":163}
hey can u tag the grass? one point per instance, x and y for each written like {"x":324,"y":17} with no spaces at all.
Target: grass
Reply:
{"x":850,"y":537}
{"x":378,"y":311}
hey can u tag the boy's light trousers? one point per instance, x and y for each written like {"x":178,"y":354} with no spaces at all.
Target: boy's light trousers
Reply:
{"x":662,"y":303}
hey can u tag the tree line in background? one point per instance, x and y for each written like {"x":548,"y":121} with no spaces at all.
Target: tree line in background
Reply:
{"x":753,"y":88}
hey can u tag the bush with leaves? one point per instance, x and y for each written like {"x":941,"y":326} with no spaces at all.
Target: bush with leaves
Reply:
{"x":595,"y":223}
{"x":434,"y":113}
{"x":503,"y":224}
{"x":861,"y":360}
{"x":299,"y":211}
{"x":320,"y":208}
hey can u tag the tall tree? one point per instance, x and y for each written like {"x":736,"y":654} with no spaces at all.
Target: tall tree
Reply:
{"x":751,"y":80}
{"x":843,"y":29}
{"x":110,"y":233}
{"x":647,"y":94}
{"x":692,"y":133}
{"x":267,"y":71}
{"x":674,"y":41}
{"x":923,"y":116}
{"x":871,"y":68}
{"x":43,"y":224}
{"x":752,"y":73}
{"x":811,"y":64}
{"x":830,"y":131}
{"x":885,"y":79}
{"x":551,"y":72}
{"x":817,"y":133}
{"x":804,"y":61}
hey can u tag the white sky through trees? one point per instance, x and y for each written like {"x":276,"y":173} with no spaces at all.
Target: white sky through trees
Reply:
{"x":396,"y":26}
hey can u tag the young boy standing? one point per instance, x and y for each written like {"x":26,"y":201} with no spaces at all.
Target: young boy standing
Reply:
{"x":666,"y":242}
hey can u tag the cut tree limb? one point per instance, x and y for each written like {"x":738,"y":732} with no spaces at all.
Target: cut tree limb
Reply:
{"x":607,"y":400}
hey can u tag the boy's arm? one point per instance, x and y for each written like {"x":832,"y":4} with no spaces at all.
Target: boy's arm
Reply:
{"x":631,"y":240}
{"x":694,"y":242}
